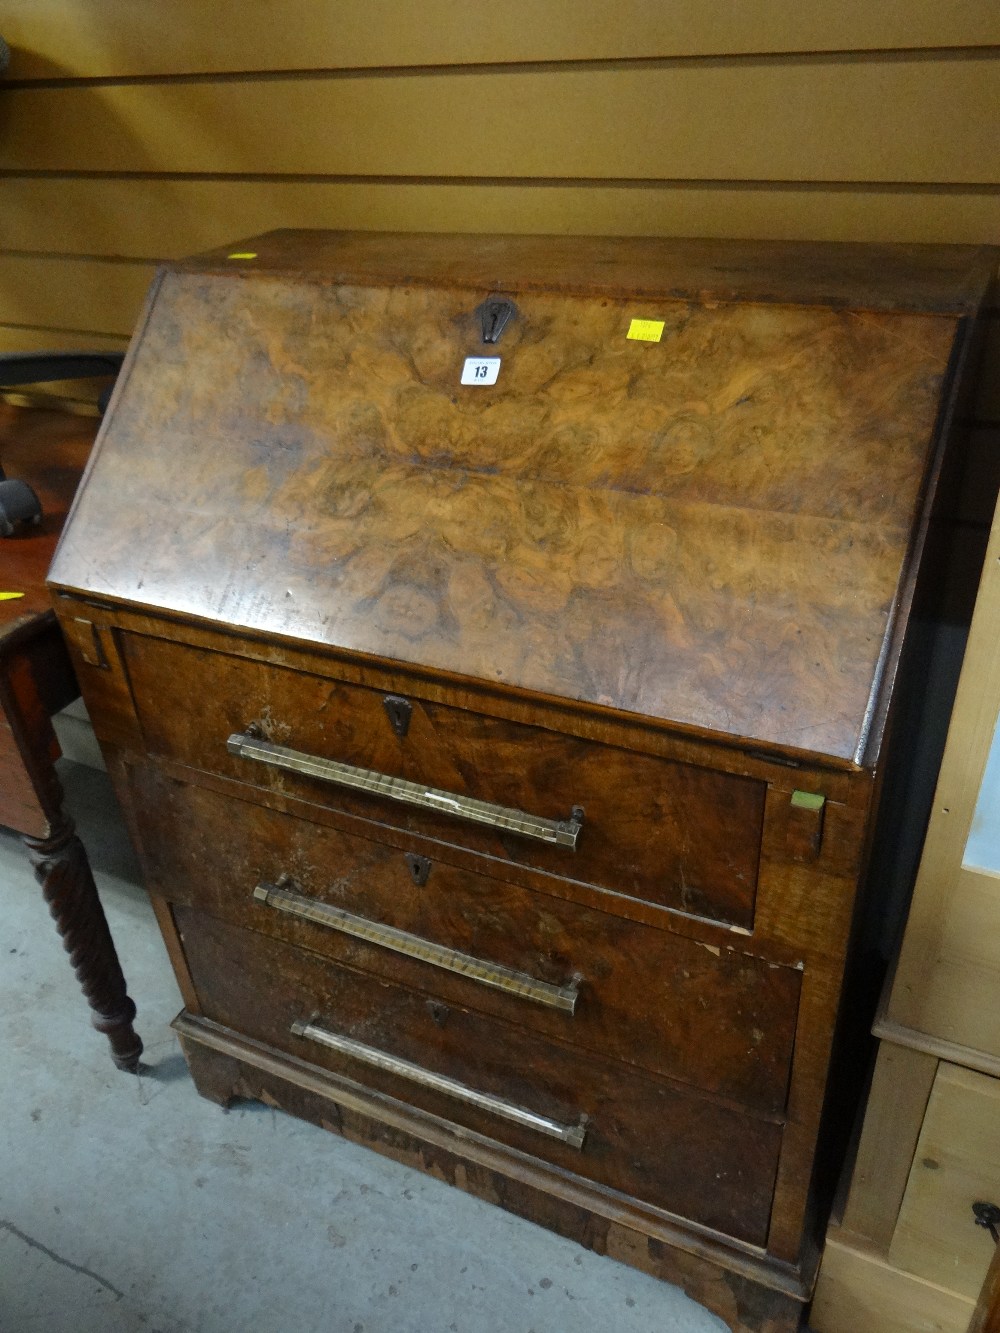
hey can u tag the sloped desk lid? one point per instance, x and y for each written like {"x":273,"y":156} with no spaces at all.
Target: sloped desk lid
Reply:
{"x":711,"y":529}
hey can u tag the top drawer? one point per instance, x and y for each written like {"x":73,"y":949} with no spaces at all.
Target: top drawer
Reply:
{"x":666,"y":832}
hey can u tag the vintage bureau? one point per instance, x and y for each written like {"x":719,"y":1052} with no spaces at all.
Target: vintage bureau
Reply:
{"x":493,"y":641}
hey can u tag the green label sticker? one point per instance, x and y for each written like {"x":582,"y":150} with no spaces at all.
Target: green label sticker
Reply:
{"x":808,"y":800}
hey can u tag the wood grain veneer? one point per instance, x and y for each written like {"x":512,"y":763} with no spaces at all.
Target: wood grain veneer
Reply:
{"x":645,"y":580}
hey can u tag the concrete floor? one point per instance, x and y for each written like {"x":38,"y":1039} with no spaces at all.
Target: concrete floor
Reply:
{"x":131,"y":1205}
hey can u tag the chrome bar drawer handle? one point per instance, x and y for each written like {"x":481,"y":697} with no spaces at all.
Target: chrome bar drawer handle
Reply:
{"x":401,"y":941}
{"x":574,"y":1135}
{"x":560,"y":832}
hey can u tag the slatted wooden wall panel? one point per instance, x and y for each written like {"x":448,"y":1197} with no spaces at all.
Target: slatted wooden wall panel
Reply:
{"x":119,"y":38}
{"x":133,"y":132}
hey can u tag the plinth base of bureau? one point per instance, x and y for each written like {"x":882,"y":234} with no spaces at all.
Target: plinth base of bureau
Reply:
{"x":751,"y":1294}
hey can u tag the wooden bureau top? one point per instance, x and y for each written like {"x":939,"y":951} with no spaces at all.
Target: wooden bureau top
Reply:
{"x":940,"y":279}
{"x":713,"y":529}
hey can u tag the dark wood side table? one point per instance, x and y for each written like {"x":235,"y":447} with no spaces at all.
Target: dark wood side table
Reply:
{"x":49,"y":450}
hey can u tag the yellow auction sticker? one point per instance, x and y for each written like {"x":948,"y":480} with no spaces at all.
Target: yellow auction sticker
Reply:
{"x":10,"y":596}
{"x":646,"y":330}
{"x":243,"y":254}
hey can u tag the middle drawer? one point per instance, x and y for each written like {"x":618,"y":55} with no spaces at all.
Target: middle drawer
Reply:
{"x":710,"y":1016}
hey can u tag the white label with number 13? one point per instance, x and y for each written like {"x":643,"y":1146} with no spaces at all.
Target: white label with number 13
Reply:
{"x":481,"y":370}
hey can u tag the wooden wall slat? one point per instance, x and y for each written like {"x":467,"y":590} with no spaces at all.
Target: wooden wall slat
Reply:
{"x":72,"y":294}
{"x":745,"y":140}
{"x":909,"y":120}
{"x":152,"y":217}
{"x":115,"y":38}
{"x":157,"y":218}
{"x":16,"y":338}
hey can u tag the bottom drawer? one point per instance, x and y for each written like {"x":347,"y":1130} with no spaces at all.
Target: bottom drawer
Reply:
{"x":654,"y":1141}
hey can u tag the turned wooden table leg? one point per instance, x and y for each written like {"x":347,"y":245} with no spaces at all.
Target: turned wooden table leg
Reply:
{"x":37,"y":679}
{"x":61,"y":867}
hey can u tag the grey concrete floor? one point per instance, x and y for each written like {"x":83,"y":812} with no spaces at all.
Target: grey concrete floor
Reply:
{"x":131,"y":1205}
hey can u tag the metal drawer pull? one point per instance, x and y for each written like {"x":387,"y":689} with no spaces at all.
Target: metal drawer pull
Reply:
{"x":561,"y":832}
{"x":401,"y":941}
{"x":574,"y":1135}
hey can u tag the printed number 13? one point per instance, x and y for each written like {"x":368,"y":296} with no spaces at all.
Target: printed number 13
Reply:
{"x":480,"y":370}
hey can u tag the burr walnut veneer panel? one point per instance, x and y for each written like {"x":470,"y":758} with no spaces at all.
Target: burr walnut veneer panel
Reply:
{"x":521,"y":533}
